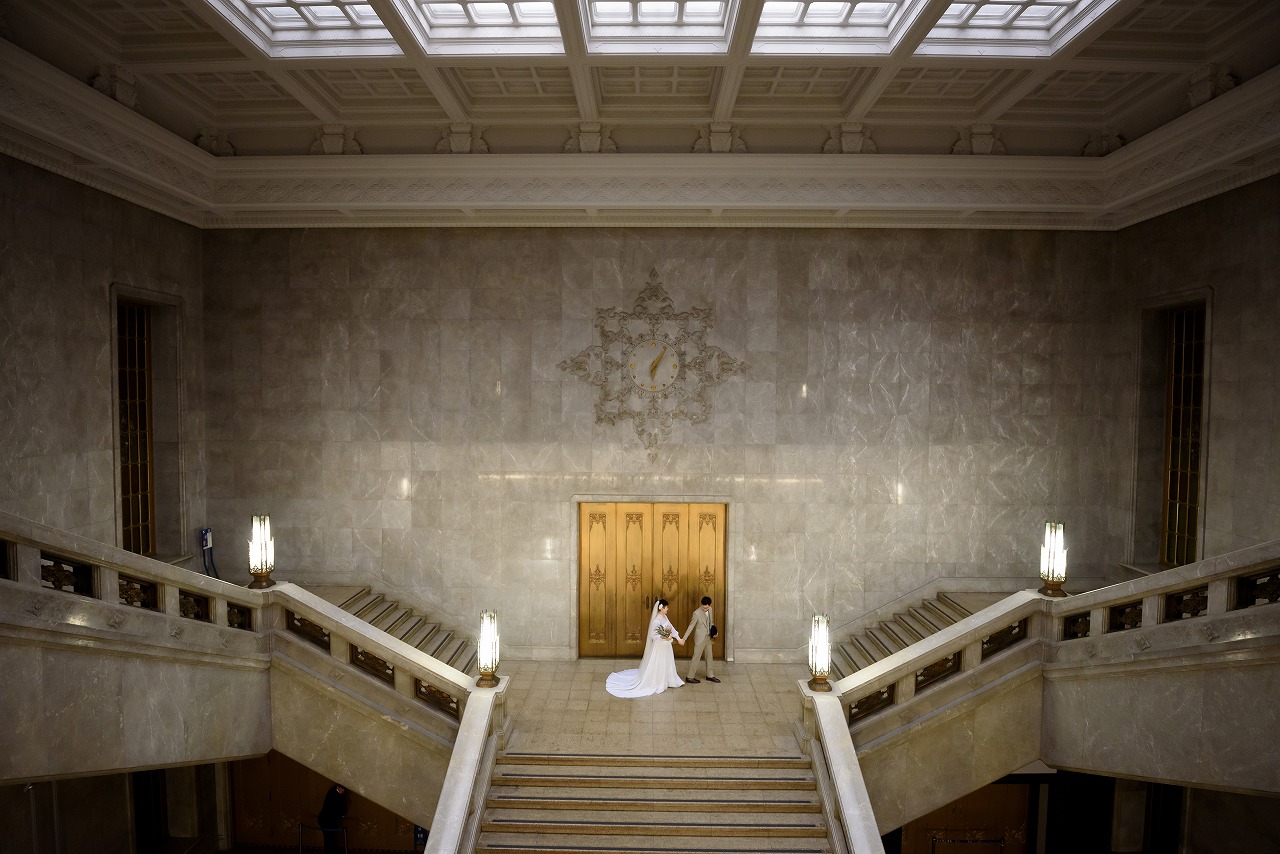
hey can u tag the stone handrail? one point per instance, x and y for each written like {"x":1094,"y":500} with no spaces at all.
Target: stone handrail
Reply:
{"x":846,"y":802}
{"x":46,"y":558}
{"x":1208,"y":587}
{"x":455,"y":827}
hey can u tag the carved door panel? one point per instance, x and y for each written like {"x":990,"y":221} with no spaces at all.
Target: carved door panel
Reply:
{"x":630,"y":554}
{"x":672,"y":555}
{"x":706,"y":567}
{"x":597,"y":557}
{"x":634,"y":587}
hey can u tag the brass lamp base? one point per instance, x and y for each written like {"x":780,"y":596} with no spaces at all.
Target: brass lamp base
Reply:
{"x":1052,"y":589}
{"x":261,"y":581}
{"x":487,"y":680}
{"x":819,"y":684}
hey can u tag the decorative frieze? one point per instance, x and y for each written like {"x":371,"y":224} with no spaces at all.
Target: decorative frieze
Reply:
{"x":462,"y":138}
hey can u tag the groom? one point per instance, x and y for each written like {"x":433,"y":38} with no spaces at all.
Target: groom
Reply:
{"x":700,"y":630}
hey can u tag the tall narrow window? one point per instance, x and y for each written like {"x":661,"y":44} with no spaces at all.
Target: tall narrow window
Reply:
{"x":1185,"y":403}
{"x":137,"y":484}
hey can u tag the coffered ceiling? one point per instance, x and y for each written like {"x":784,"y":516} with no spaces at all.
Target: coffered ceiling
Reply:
{"x":996,"y":113}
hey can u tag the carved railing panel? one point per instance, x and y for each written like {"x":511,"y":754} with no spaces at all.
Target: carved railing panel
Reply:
{"x":1261,"y":588}
{"x":1123,"y":617}
{"x":931,"y":674}
{"x":139,"y":593}
{"x":375,"y":666}
{"x":433,"y":696}
{"x":65,"y":575}
{"x":872,"y":703}
{"x":239,"y":616}
{"x":193,"y":606}
{"x":1005,"y":638}
{"x":1075,"y":626}
{"x":313,"y":632}
{"x":1186,"y":604}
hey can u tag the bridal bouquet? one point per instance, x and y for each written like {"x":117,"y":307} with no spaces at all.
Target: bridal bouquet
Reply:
{"x":664,"y":632}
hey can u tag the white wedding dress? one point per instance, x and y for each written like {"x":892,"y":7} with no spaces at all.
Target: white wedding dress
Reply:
{"x":657,"y":671}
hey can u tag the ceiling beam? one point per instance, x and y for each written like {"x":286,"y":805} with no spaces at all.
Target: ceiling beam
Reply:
{"x":912,"y":33}
{"x":741,"y":38}
{"x":413,"y":44}
{"x":573,"y":37}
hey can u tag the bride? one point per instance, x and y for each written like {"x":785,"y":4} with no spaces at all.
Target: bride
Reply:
{"x":657,"y":671}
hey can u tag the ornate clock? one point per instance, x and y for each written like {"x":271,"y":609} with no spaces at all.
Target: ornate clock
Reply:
{"x":653,"y":365}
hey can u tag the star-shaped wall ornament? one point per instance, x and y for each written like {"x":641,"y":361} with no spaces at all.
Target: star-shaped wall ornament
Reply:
{"x":653,"y":365}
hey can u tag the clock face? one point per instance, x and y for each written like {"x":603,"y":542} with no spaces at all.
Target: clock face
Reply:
{"x":653,"y":364}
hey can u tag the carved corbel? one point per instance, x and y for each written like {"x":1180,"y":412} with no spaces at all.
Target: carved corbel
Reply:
{"x":117,"y":83}
{"x":217,"y":144}
{"x":1208,"y":83}
{"x":979,"y":139}
{"x":462,"y":138}
{"x":336,"y":139}
{"x":849,"y":138}
{"x":590,"y":138}
{"x":720,"y":138}
{"x":1102,"y":143}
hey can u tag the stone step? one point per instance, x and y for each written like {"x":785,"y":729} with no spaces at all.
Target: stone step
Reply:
{"x":723,"y":802}
{"x":403,"y":623}
{"x":604,"y":780}
{"x":760,"y":827}
{"x":654,"y":842}
{"x":598,"y":760}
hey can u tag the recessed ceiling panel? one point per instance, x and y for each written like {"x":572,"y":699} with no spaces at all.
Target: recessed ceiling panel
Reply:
{"x":787,"y":89}
{"x":526,"y":89}
{"x":656,"y":89}
{"x":945,"y":93}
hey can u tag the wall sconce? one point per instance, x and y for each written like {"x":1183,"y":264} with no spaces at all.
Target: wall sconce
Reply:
{"x":262,"y":553}
{"x":1053,"y":561}
{"x":487,"y":650}
{"x":820,"y":653}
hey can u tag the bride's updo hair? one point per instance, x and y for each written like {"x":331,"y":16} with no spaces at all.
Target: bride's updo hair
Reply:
{"x":662,"y":603}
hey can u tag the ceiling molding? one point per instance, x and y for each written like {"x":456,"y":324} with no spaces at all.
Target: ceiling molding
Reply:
{"x":61,"y":124}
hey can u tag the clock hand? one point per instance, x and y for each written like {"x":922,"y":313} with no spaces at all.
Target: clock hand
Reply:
{"x":653,"y":366}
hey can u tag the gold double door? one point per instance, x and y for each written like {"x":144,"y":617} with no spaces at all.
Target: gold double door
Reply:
{"x":630,"y":555}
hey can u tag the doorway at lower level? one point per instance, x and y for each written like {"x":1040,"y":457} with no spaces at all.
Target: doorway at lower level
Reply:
{"x":630,"y":554}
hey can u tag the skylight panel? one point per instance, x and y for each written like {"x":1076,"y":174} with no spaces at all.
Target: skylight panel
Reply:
{"x":658,"y":26}
{"x":319,"y":28}
{"x":975,"y":28}
{"x":1010,"y":27}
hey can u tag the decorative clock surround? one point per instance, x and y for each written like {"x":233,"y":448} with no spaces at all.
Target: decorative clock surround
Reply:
{"x":653,"y":365}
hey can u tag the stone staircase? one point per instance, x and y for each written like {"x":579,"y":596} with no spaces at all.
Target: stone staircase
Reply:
{"x":905,"y":628}
{"x":574,"y":803}
{"x":404,"y":623}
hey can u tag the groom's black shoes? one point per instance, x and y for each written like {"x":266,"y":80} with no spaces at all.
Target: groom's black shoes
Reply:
{"x":713,"y":679}
{"x":693,"y":681}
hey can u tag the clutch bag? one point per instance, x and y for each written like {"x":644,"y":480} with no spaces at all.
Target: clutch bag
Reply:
{"x":714,"y":631}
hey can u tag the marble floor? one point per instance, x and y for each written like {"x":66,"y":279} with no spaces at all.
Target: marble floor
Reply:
{"x":562,"y":707}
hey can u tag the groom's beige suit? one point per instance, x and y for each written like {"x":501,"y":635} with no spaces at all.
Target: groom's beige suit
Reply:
{"x":700,"y":630}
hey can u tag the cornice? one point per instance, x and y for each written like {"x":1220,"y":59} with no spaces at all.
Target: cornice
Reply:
{"x":60,"y":124}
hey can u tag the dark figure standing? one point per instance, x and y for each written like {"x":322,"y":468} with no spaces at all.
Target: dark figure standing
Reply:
{"x":330,"y":819}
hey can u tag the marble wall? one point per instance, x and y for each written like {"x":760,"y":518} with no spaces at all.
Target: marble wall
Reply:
{"x":916,"y":404}
{"x":63,"y":249}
